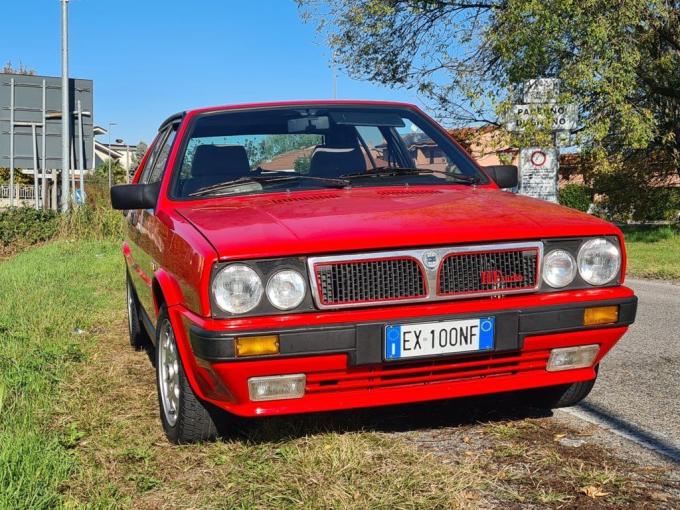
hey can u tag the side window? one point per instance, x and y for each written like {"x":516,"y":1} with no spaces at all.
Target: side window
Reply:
{"x":374,"y":145}
{"x":159,"y":157}
{"x":155,"y":148}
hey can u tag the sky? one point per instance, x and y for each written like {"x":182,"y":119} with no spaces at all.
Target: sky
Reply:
{"x":152,"y":58}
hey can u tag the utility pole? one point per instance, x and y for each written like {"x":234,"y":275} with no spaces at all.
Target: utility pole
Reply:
{"x":110,"y":156}
{"x":81,"y":152}
{"x":65,"y":111}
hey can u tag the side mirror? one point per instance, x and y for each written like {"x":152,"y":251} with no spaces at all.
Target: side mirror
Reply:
{"x":135,"y":196}
{"x":506,"y":176}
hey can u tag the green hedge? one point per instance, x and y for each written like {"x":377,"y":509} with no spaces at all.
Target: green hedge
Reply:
{"x":622,"y":201}
{"x":27,"y":226}
{"x":576,"y":196}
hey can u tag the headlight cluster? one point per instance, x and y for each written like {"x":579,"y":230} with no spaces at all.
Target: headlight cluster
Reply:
{"x":238,"y":289}
{"x":598,"y":262}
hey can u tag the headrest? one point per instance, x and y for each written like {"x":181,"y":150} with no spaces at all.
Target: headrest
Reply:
{"x":332,"y":162}
{"x":220,"y":160}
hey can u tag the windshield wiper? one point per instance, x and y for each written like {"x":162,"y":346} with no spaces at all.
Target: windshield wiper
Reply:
{"x":262,"y":179}
{"x":391,"y":171}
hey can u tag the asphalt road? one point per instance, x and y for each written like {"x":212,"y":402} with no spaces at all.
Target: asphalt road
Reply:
{"x":638,"y":388}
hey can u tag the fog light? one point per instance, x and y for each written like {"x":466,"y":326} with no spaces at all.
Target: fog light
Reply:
{"x":601,"y":315}
{"x":567,"y":358}
{"x":276,"y":387}
{"x":256,"y":345}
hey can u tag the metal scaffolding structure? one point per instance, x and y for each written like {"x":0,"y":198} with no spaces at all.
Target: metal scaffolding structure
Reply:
{"x":31,"y":126}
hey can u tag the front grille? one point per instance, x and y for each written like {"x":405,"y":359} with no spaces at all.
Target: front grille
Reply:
{"x":463,"y":273}
{"x":425,"y":274}
{"x":369,"y":280}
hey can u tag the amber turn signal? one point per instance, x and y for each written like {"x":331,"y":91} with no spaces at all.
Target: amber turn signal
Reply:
{"x":256,"y":345}
{"x":600,"y":315}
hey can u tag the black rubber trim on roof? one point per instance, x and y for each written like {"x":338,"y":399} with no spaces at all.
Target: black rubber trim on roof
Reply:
{"x":176,"y":117}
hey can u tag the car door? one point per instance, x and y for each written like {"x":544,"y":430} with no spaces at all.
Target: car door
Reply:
{"x":145,"y":234}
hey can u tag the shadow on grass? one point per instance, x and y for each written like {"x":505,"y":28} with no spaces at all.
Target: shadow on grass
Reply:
{"x":460,"y":412}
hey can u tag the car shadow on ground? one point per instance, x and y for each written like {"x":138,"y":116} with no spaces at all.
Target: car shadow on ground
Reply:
{"x":457,"y":413}
{"x":441,"y":414}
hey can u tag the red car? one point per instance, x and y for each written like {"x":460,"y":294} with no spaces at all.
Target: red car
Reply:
{"x":320,"y":255}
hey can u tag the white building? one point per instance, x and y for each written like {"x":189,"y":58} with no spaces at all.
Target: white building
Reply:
{"x":121,"y":152}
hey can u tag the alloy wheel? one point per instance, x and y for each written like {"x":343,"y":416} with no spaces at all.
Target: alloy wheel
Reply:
{"x":168,"y":373}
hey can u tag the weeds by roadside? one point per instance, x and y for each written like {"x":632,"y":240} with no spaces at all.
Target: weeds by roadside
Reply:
{"x":25,"y":227}
{"x":95,"y":219}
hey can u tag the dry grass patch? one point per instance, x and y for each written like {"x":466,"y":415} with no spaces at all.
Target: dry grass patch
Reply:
{"x":126,"y":461}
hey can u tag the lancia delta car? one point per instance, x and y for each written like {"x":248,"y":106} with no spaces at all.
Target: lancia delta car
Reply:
{"x":312,"y":256}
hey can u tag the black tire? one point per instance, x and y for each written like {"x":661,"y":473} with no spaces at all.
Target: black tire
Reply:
{"x":139,"y":338}
{"x":565,"y":395}
{"x":193,"y":421}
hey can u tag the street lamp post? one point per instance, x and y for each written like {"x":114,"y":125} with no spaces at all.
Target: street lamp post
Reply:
{"x":110,"y":156}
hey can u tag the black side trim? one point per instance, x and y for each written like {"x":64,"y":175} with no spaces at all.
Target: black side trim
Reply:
{"x":148,"y":325}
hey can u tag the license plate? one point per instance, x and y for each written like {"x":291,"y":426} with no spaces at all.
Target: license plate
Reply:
{"x":436,"y":338}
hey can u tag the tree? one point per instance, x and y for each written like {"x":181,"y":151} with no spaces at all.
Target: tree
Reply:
{"x":138,"y":156}
{"x":274,"y":145}
{"x":21,"y":69}
{"x":618,"y":61}
{"x":101,"y":172}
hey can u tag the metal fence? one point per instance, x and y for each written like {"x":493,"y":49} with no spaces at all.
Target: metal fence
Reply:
{"x":20,"y":192}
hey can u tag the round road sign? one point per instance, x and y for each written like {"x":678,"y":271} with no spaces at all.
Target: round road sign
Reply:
{"x":538,"y":158}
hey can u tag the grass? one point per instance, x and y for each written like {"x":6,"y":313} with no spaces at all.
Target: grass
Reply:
{"x":44,"y":300}
{"x":653,"y":251}
{"x":79,"y":426}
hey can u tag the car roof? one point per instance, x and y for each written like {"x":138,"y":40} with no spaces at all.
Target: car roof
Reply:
{"x":275,"y":104}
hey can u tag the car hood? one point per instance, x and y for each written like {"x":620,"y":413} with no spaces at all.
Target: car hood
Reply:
{"x":333,"y":221}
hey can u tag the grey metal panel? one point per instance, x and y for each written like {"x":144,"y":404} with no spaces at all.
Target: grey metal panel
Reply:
{"x":28,"y":108}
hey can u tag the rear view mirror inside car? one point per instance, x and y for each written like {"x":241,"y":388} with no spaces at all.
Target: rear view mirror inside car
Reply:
{"x":308,"y":124}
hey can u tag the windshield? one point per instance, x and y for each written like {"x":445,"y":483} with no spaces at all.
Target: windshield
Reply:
{"x":266,"y":150}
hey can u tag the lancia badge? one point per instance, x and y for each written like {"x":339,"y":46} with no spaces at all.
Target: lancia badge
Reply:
{"x":431,"y":259}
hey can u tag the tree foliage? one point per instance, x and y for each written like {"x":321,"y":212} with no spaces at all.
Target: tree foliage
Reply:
{"x":139,"y":155}
{"x":101,"y":172}
{"x":20,"y":69}
{"x":576,"y":196}
{"x":270,"y":146}
{"x":618,"y":61}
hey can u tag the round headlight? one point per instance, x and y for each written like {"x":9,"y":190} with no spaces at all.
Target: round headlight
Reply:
{"x":237,"y":289}
{"x":599,"y":261}
{"x":559,"y":268}
{"x":286,"y":289}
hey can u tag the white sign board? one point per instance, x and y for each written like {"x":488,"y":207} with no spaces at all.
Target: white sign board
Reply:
{"x":557,"y":117}
{"x":541,"y":90}
{"x":538,"y":173}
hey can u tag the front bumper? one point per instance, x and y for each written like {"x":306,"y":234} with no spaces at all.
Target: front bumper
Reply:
{"x":343,"y":359}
